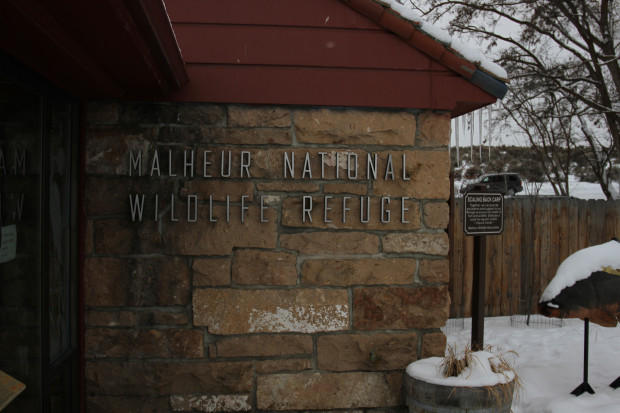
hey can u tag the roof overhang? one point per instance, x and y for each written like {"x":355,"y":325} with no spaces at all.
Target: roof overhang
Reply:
{"x":110,"y":49}
{"x":410,"y":32}
{"x":96,"y":49}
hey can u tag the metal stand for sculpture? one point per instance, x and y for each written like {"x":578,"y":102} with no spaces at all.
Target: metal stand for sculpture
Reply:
{"x":587,"y":286}
{"x":585,"y":386}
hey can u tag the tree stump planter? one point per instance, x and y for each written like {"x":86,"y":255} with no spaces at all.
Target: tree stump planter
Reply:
{"x":424,"y":397}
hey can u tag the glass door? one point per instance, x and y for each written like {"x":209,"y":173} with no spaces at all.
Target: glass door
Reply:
{"x":38,"y":284}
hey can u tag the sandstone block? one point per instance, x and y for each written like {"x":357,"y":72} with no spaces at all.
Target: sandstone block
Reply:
{"x":434,"y":129}
{"x":328,"y":213}
{"x":210,"y":403}
{"x":108,"y":404}
{"x":436,"y":215}
{"x":283,"y":186}
{"x":354,"y":127}
{"x":421,"y":243}
{"x":153,"y":378}
{"x":116,"y":343}
{"x":189,"y":135}
{"x":219,"y":189}
{"x":107,"y":282}
{"x":148,"y":113}
{"x":264,"y":346}
{"x":282,"y":365}
{"x":219,"y":238}
{"x":200,"y":114}
{"x":301,"y":391}
{"x":113,"y":236}
{"x":429,"y":173}
{"x":228,"y":311}
{"x":89,"y":238}
{"x":164,"y":281}
{"x":346,"y":188}
{"x":163,"y":318}
{"x":108,"y":148}
{"x":241,"y":136}
{"x":136,"y":282}
{"x":366,"y":351}
{"x":264,"y":268}
{"x":210,"y":272}
{"x":258,"y":116}
{"x":433,"y":345}
{"x":101,"y":113}
{"x":121,"y":236}
{"x":110,"y":195}
{"x":435,"y":271}
{"x":175,"y":113}
{"x":308,"y":243}
{"x":110,"y":318}
{"x":358,"y":272}
{"x":376,"y":308}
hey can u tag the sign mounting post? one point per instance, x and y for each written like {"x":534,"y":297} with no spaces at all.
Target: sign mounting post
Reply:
{"x":483,"y":215}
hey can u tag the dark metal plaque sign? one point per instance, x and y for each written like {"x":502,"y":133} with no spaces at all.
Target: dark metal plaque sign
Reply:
{"x":484,"y":213}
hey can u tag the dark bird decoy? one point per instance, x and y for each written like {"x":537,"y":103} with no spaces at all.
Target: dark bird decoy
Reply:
{"x":586,"y":286}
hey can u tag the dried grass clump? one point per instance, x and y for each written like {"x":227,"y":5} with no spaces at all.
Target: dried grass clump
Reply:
{"x":452,"y":365}
{"x":501,"y":365}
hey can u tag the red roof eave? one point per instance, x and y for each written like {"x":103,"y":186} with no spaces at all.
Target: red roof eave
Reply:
{"x":410,"y":32}
{"x":98,"y":49}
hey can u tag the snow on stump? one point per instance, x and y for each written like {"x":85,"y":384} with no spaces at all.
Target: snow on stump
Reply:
{"x":476,"y":389}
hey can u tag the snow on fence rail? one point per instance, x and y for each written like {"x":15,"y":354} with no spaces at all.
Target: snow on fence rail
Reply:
{"x":539,"y":232}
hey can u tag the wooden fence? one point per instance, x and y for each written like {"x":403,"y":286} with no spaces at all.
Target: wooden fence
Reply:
{"x":539,"y":232}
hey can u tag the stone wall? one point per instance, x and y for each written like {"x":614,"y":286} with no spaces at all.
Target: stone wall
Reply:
{"x":263,"y":287}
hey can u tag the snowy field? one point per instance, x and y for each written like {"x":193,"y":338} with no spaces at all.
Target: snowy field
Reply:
{"x":581,"y":190}
{"x":550,"y":363}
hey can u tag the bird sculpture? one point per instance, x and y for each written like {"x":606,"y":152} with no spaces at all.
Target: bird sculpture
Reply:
{"x":586,"y":286}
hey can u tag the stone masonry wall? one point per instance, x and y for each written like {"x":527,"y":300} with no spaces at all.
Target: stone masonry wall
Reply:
{"x":262,"y":287}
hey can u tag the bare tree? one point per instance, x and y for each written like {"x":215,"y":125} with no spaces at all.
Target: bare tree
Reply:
{"x":548,"y":127}
{"x":558,"y":52}
{"x":532,"y":188}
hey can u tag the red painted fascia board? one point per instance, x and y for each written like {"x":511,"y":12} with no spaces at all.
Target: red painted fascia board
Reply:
{"x":103,"y":49}
{"x":300,"y":46}
{"x":154,"y":23}
{"x":280,"y":85}
{"x":33,"y":36}
{"x":411,"y":34}
{"x":150,"y":45}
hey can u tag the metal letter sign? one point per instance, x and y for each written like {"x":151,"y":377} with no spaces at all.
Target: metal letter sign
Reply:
{"x":484,"y":213}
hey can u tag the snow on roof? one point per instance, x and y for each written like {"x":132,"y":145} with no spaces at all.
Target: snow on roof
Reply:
{"x":469,"y":52}
{"x":580,"y":265}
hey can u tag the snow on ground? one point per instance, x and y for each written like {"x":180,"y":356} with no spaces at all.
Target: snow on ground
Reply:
{"x":577,"y":189}
{"x":550,"y":364}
